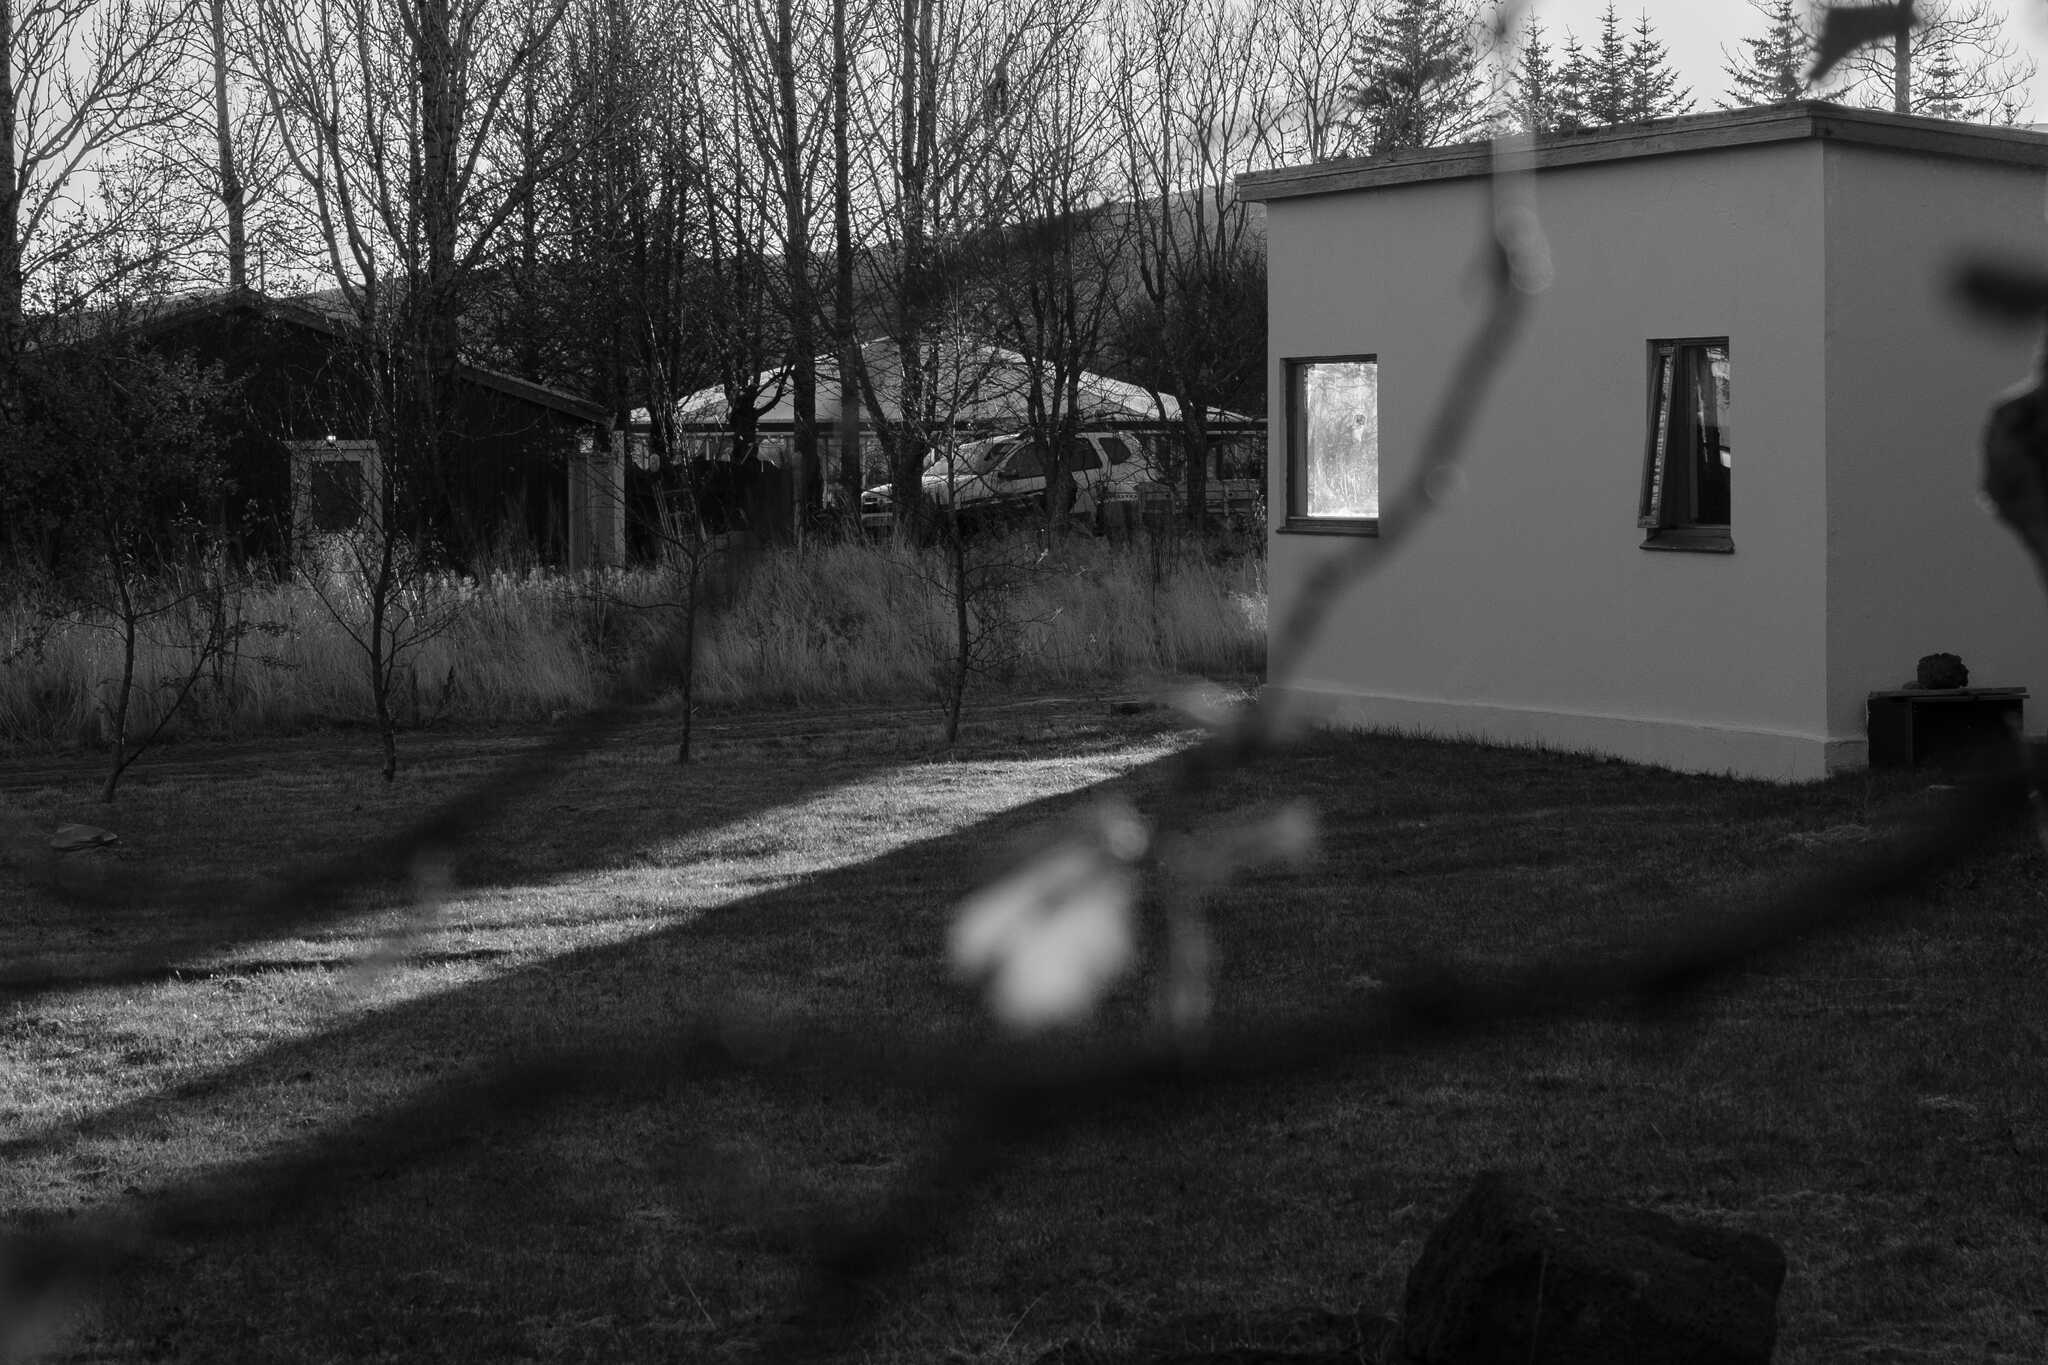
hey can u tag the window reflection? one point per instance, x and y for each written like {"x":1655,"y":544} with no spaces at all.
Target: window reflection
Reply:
{"x":1334,"y":426}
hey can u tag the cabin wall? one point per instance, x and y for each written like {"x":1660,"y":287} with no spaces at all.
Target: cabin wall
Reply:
{"x":1915,"y":563}
{"x":504,"y":499}
{"x":1527,"y":609}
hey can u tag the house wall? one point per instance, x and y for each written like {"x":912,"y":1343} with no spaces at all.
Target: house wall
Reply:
{"x":1915,"y":565}
{"x":506,"y":498}
{"x":1527,"y":611}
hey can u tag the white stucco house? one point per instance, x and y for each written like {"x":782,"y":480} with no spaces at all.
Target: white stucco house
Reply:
{"x":1725,"y":486}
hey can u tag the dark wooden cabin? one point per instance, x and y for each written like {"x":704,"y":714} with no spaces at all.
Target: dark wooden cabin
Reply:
{"x":532,"y":465}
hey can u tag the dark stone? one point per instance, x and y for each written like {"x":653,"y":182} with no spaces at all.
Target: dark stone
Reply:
{"x":1941,"y":670}
{"x":81,"y":838}
{"x":1520,"y":1275}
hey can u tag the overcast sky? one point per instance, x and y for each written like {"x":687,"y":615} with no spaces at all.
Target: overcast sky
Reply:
{"x":1695,"y":31}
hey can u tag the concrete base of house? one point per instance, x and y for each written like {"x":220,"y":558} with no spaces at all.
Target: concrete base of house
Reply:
{"x":1684,"y":745}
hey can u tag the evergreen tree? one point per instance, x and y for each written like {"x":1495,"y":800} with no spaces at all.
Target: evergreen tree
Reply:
{"x":1625,"y":78}
{"x":1571,"y":87}
{"x":1653,"y":90}
{"x":1533,"y":103}
{"x":1609,"y":78}
{"x":1773,"y":70}
{"x":1414,"y":79}
{"x":1942,"y":90}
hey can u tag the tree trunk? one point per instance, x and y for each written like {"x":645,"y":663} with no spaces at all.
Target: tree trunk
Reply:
{"x":962,"y":639}
{"x":383,"y":646}
{"x":797,"y":260}
{"x":906,"y":455}
{"x":432,"y":317}
{"x":692,"y":571}
{"x":232,"y":194}
{"x":11,"y":282}
{"x":124,"y":695}
{"x":527,"y":286}
{"x":1196,"y":428}
{"x":851,"y":475}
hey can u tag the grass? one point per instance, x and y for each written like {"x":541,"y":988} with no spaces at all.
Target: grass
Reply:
{"x":831,"y":623}
{"x":1875,"y":1105}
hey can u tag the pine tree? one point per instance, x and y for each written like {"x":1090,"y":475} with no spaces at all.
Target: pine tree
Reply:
{"x":1621,"y":80}
{"x":1414,"y":77}
{"x":1942,"y":91}
{"x":1609,"y":75}
{"x":1534,"y":100}
{"x":1773,"y":71}
{"x":1653,"y":90}
{"x":1571,"y":87}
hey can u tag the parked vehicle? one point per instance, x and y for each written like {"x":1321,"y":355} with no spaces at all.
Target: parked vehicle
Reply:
{"x":1005,"y":475}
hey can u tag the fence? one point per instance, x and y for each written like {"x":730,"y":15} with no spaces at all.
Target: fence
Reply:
{"x":1018,"y":1089}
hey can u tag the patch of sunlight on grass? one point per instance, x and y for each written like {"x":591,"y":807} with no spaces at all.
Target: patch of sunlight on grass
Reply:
{"x":73,"y":1062}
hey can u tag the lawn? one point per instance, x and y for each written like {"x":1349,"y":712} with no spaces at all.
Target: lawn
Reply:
{"x":1878,"y":1105}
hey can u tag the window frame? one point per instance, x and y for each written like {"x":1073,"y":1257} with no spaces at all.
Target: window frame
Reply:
{"x":1298,"y":519}
{"x":1672,"y":526}
{"x":307,"y":454}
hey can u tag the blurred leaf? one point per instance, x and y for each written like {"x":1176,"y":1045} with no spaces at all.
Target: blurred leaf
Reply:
{"x":1845,"y":28}
{"x":1052,"y":938}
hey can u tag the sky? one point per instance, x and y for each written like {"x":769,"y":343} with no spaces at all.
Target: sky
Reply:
{"x":1695,"y":31}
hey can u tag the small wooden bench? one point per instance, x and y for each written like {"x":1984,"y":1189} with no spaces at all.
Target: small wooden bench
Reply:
{"x":1911,"y":727}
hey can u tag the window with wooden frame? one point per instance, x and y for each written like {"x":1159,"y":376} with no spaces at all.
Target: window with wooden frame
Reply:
{"x":1333,"y":444}
{"x":335,"y":485}
{"x":1687,"y":465}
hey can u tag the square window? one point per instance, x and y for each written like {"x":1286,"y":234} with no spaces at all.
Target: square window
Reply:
{"x":1687,"y":464}
{"x":335,"y":487}
{"x":1333,"y":444}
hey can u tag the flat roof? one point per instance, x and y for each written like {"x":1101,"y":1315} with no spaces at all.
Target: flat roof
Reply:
{"x":1814,"y":119}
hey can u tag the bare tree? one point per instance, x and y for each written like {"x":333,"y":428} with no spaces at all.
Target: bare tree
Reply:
{"x":935,"y":112}
{"x":1313,"y":42}
{"x":386,"y":111}
{"x":1055,"y":270}
{"x":777,"y":57}
{"x":845,"y":336}
{"x":1957,"y":62}
{"x":79,"y":80}
{"x":225,"y":191}
{"x":1198,"y":102}
{"x":978,"y":569}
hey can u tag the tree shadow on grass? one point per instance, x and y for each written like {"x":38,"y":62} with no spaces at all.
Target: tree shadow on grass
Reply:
{"x":213,"y":875}
{"x":599,"y":1216}
{"x":621,"y":1213}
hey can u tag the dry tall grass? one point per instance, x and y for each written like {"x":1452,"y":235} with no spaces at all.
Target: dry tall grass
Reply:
{"x":837,"y":622}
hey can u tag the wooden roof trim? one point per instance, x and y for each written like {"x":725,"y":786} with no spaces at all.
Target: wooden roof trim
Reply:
{"x":1808,"y":120}
{"x":542,"y":395}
